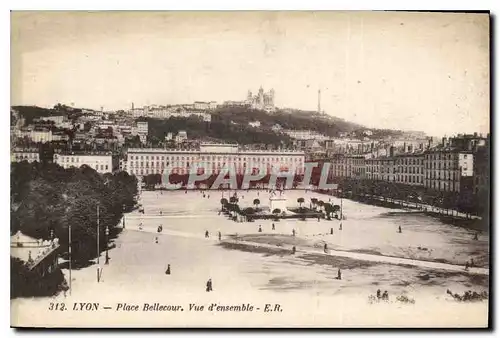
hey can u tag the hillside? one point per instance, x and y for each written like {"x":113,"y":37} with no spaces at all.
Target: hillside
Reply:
{"x":287,"y":119}
{"x":230,"y":124}
{"x":218,"y":130}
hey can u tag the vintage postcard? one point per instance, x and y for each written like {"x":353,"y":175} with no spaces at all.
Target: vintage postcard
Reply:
{"x":250,"y":169}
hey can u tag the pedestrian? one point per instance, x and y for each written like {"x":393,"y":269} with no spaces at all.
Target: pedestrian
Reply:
{"x":294,"y":249}
{"x":331,"y":231}
{"x":339,"y":274}
{"x":167,"y":272}
{"x":186,"y":192}
{"x":260,"y":228}
{"x":209,"y":285}
{"x":273,"y":227}
{"x":399,"y":229}
{"x":466,"y":266}
{"x":161,"y":212}
{"x":325,"y":247}
{"x":156,"y":240}
{"x":385,"y":295}
{"x":318,"y":218}
{"x":220,"y":236}
{"x":340,"y":228}
{"x":378,"y":294}
{"x":476,"y":237}
{"x":471,"y":262}
{"x":207,"y":234}
{"x":293,"y":232}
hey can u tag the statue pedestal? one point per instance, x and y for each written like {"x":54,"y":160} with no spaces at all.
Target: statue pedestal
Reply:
{"x":277,"y":202}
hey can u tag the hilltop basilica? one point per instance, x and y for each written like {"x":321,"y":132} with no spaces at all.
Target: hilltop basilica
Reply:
{"x":263,"y":101}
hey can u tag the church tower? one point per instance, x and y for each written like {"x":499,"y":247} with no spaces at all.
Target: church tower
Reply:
{"x":271,"y":94}
{"x":261,"y":97}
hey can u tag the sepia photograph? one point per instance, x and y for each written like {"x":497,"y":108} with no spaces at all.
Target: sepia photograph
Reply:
{"x":250,"y":169}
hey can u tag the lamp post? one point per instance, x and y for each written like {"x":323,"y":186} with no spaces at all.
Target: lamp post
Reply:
{"x":123,"y":209}
{"x":69,"y":251}
{"x":98,"y":230}
{"x":340,"y":192}
{"x":107,"y":234}
{"x":66,"y":210}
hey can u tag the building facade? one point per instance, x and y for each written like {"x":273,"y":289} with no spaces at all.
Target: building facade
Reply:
{"x":445,"y":168}
{"x":23,"y":154}
{"x":410,"y":169}
{"x":211,"y":159}
{"x":102,"y":162}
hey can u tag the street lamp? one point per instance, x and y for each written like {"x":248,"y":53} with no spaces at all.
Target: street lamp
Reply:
{"x":107,"y":256}
{"x":98,"y":230}
{"x":123,"y":211}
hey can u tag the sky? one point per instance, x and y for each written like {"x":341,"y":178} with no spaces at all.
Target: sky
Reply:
{"x":411,"y":71}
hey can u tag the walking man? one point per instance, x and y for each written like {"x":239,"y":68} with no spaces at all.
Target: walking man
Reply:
{"x":209,"y":285}
{"x":385,"y":295}
{"x":220,"y":236}
{"x":294,"y":249}
{"x":340,"y":228}
{"x":168,"y":270}
{"x":293,"y":232}
{"x":331,"y":231}
{"x":273,"y":227}
{"x":399,"y":229}
{"x":326,"y":248}
{"x":207,"y":234}
{"x":339,"y":274}
{"x":260,"y":228}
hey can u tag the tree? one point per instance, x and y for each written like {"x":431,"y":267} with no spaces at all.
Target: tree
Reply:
{"x":321,"y":204}
{"x":300,"y":200}
{"x":46,"y":197}
{"x":223,"y":203}
{"x":276,"y":213}
{"x":314,"y":202}
{"x":256,"y":202}
{"x":328,"y":210}
{"x":249,"y":211}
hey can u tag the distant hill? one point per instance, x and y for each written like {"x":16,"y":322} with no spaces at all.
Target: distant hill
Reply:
{"x":287,"y":119}
{"x":29,"y":113}
{"x":230,"y":124}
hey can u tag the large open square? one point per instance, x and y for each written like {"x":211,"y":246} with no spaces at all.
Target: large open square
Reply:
{"x":247,"y":265}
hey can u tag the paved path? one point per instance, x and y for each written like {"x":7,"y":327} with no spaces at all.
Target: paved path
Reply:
{"x":338,"y":253}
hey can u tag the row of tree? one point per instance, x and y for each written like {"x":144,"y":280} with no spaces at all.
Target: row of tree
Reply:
{"x":46,"y":199}
{"x":464,"y":201}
